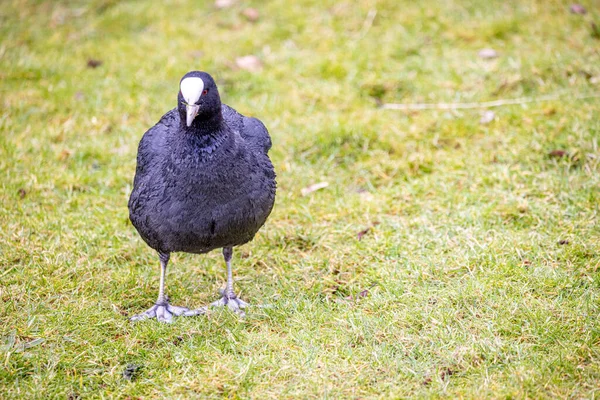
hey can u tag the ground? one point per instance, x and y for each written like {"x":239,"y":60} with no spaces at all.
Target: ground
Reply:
{"x":446,"y":257}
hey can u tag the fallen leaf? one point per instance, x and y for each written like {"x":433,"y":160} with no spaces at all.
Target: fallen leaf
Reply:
{"x":366,"y":230}
{"x":92,"y":63}
{"x":251,"y":14}
{"x":22,"y":193}
{"x":577,"y":9}
{"x":487,"y":117}
{"x":363,"y":233}
{"x":487,"y":54}
{"x":313,"y":188}
{"x":249,"y":63}
{"x":557,"y":154}
{"x":64,"y":154}
{"x":364,"y":293}
{"x":224,"y":3}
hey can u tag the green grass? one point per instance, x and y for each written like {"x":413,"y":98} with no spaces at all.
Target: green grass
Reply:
{"x":483,"y":253}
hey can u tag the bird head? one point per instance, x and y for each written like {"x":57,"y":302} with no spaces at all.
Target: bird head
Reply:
{"x":198,"y":97}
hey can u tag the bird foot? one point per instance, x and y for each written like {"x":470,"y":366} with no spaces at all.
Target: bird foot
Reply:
{"x":231,"y":300}
{"x":164,"y":312}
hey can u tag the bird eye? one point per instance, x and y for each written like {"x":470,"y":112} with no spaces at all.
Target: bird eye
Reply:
{"x":205,"y":91}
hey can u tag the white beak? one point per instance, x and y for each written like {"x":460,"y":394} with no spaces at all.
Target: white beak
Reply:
{"x":192,"y":111}
{"x":191,"y":90}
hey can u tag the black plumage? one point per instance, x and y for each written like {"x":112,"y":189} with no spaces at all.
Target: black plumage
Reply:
{"x":203,"y":181}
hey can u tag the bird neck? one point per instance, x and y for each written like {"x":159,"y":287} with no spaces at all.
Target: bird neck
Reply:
{"x":207,"y":133}
{"x":203,"y":125}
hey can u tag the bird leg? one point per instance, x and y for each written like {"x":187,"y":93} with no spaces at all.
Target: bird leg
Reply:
{"x":162,"y":310}
{"x":228,"y":296}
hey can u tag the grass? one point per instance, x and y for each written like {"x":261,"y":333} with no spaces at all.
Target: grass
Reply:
{"x":481,"y":261}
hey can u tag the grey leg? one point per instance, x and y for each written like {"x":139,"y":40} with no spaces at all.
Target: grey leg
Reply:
{"x":162,"y":310}
{"x":229,"y":297}
{"x":164,"y":261}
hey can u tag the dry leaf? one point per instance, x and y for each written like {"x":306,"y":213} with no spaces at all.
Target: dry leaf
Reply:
{"x":577,"y":9}
{"x":487,"y":54}
{"x":249,"y":63}
{"x":251,"y":14}
{"x":314,"y":187}
{"x":557,"y":154}
{"x":92,"y":63}
{"x":363,"y":233}
{"x":64,"y":154}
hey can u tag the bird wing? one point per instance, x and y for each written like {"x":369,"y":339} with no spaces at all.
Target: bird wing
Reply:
{"x":153,"y":140}
{"x":251,"y":129}
{"x":151,"y":151}
{"x":150,"y":156}
{"x":255,"y":131}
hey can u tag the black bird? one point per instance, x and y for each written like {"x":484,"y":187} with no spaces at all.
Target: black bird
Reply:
{"x":203,"y":181}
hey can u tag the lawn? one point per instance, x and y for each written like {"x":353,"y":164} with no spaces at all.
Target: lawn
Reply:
{"x":447,"y":256}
